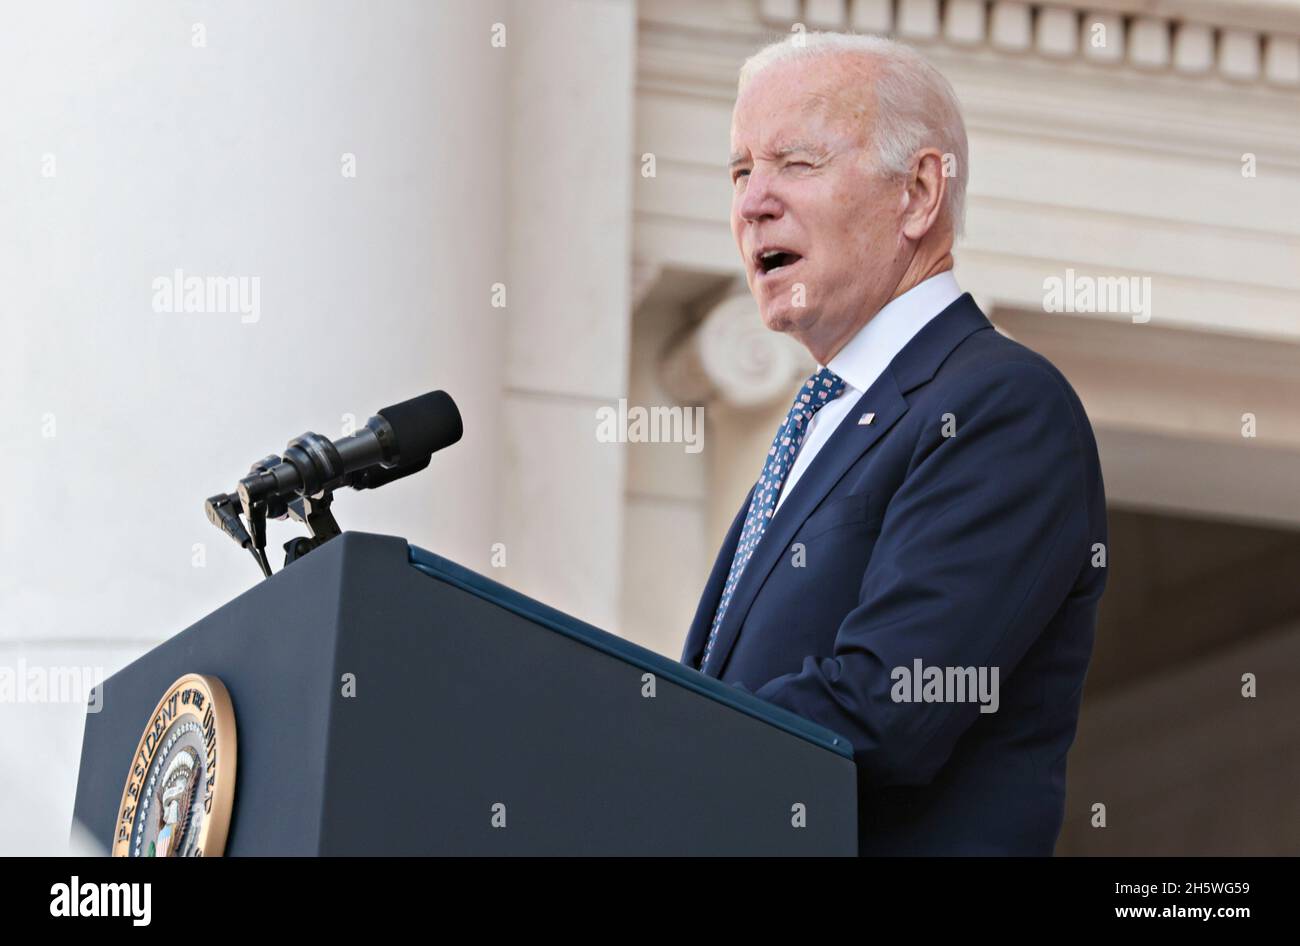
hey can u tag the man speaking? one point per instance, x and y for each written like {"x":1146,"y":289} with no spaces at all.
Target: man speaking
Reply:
{"x":919,"y":564}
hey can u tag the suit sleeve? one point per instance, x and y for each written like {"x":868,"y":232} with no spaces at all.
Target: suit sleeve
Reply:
{"x":978,"y":548}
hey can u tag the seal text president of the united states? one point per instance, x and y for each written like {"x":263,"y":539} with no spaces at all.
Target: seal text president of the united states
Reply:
{"x":919,"y":563}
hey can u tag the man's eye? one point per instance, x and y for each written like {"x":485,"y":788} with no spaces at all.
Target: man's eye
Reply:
{"x":743,"y":172}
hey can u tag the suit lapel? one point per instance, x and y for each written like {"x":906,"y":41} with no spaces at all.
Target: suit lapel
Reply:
{"x":840,"y":452}
{"x":698,"y":635}
{"x":911,"y":367}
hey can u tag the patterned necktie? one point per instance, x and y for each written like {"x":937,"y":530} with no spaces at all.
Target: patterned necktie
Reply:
{"x":818,"y":391}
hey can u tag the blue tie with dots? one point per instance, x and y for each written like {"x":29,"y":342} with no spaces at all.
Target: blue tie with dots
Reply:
{"x":818,"y":391}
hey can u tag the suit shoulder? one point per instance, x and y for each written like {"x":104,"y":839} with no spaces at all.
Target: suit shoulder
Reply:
{"x":997,"y":376}
{"x":988,"y":362}
{"x":1010,"y":390}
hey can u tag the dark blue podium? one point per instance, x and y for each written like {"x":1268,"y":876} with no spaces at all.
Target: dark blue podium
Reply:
{"x":478,"y":722}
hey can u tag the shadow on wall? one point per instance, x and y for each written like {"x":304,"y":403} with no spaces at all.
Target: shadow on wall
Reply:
{"x":1170,"y":753}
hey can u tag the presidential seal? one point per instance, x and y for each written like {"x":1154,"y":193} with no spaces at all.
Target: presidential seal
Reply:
{"x":181,"y":784}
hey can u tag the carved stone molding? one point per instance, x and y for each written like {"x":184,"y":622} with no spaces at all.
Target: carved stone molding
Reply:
{"x":732,"y":356}
{"x":1244,"y":42}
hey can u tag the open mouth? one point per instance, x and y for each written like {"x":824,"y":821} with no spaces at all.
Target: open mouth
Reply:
{"x":771,"y":261}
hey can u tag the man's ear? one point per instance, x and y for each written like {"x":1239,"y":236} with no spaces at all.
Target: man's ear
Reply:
{"x":925,"y":193}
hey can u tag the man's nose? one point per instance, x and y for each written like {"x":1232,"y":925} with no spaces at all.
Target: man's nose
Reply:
{"x":759,"y":201}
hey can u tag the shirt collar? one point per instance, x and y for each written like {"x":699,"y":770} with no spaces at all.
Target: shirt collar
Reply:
{"x":868,"y":353}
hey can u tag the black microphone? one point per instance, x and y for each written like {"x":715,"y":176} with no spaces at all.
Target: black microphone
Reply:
{"x":372,"y":477}
{"x":396,"y":442}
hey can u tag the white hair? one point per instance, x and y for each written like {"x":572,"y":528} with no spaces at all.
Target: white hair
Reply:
{"x":916,"y":108}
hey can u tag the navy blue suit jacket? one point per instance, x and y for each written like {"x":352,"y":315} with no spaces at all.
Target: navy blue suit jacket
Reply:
{"x":963,"y":541}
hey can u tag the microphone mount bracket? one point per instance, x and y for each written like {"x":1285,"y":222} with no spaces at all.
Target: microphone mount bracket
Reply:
{"x":314,"y":512}
{"x":261,"y":495}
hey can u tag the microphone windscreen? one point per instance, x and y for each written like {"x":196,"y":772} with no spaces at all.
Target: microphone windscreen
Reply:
{"x":423,"y":425}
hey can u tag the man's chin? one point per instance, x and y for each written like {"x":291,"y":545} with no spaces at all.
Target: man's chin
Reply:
{"x":780,"y":319}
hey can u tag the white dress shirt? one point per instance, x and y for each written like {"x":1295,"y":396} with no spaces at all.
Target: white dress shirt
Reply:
{"x":865,"y":357}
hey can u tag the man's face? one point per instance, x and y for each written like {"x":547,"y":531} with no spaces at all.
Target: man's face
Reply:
{"x":818,"y":227}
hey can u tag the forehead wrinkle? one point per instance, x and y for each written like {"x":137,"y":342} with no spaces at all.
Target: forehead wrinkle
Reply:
{"x":795,"y":146}
{"x":783,"y":148}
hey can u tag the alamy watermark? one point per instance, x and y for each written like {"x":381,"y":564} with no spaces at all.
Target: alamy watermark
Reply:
{"x":1125,"y":295}
{"x":75,"y":898}
{"x":22,"y":683}
{"x":657,"y":424}
{"x":234,"y":294}
{"x":921,"y":684}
